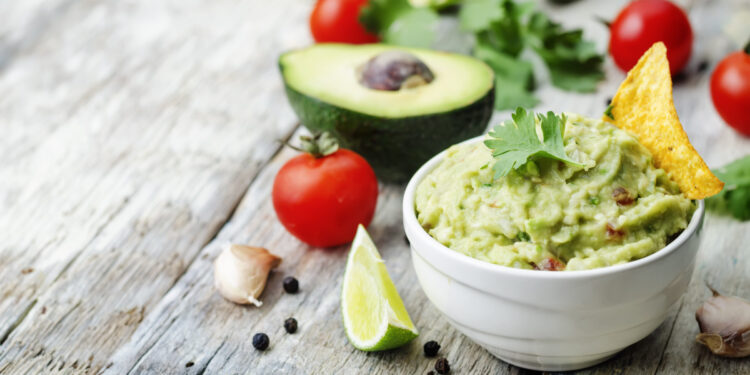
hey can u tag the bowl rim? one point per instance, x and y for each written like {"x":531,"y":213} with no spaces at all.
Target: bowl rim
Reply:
{"x":410,"y":221}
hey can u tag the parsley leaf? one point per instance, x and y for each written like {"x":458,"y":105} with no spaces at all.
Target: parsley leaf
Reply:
{"x":514,"y":143}
{"x":399,"y":23}
{"x":735,"y":198}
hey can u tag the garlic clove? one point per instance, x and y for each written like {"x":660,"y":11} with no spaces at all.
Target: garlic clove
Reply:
{"x":725,"y":325}
{"x":240,"y":272}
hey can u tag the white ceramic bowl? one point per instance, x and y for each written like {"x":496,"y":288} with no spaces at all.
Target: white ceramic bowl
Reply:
{"x":552,"y":321}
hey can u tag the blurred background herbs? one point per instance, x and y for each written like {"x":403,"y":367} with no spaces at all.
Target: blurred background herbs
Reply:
{"x":502,"y":32}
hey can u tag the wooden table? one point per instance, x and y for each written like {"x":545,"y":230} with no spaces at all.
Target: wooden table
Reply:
{"x":138,"y":137}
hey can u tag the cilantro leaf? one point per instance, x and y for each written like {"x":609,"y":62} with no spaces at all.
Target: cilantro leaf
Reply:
{"x":505,"y":28}
{"x":505,"y":34}
{"x":514,"y":78}
{"x":415,"y":28}
{"x":735,"y":198}
{"x":477,"y":15}
{"x":608,"y":111}
{"x":399,"y":23}
{"x":506,"y":66}
{"x":735,"y":174}
{"x":514,"y":143}
{"x":573,"y":62}
{"x":509,"y":94}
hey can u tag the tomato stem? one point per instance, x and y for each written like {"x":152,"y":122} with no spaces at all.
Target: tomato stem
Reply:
{"x":607,"y":23}
{"x":318,"y":145}
{"x":747,"y":47}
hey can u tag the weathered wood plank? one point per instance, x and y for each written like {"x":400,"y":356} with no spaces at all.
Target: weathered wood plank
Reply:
{"x":193,"y":325}
{"x":24,"y":23}
{"x":161,"y":116}
{"x":159,"y":162}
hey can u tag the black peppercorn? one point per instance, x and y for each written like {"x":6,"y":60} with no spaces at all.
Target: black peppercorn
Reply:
{"x":702,"y":66}
{"x":260,"y":341}
{"x":680,"y":78}
{"x":291,"y":285}
{"x":442,"y":366}
{"x":431,"y":348}
{"x":290,"y":325}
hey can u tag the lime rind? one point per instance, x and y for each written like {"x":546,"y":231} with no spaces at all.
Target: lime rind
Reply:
{"x":370,"y":303}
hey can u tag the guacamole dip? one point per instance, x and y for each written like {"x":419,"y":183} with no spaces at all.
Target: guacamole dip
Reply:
{"x":548,"y":215}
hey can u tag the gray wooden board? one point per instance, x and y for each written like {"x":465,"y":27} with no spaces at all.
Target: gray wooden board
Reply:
{"x":139,"y":137}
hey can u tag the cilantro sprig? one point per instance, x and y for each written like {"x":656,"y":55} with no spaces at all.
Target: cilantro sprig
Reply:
{"x":515,"y":143}
{"x":502,"y":31}
{"x":398,"y":22}
{"x":735,"y":198}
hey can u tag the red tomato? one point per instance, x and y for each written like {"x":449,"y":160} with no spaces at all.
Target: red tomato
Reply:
{"x":644,"y":22}
{"x":730,"y":90}
{"x":338,"y":21}
{"x":322,"y":200}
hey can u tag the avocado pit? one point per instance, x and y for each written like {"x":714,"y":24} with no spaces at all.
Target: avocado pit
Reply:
{"x":393,"y":70}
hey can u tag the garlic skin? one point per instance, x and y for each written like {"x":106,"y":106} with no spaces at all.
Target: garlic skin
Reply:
{"x":725,"y":325}
{"x":240,"y":272}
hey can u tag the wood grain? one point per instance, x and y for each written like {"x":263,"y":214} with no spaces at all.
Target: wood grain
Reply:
{"x":139,"y":138}
{"x":154,"y":122}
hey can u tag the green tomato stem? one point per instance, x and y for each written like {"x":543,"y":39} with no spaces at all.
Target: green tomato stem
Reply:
{"x":318,"y":145}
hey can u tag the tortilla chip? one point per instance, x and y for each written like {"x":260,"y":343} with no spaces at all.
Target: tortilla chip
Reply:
{"x":643,"y":105}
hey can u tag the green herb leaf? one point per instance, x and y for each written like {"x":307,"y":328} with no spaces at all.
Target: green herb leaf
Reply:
{"x":505,"y":34}
{"x":509,"y":94}
{"x":573,"y":62}
{"x":608,"y":111}
{"x":514,"y":78}
{"x":514,"y":143}
{"x":505,"y":28}
{"x":399,"y":23}
{"x":735,"y":174}
{"x":735,"y":198}
{"x":477,"y":15}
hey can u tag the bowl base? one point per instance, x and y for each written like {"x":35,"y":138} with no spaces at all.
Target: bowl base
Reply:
{"x":540,"y":363}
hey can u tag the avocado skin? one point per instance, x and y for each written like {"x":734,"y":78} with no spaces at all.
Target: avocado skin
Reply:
{"x":394,"y":147}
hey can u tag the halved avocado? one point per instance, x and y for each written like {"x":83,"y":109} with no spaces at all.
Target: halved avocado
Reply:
{"x":395,"y":106}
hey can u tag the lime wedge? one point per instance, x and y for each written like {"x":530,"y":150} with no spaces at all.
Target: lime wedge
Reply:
{"x":374,"y":315}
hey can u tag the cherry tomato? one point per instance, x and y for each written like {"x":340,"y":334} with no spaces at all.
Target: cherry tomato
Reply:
{"x":338,"y":21}
{"x":322,"y":200}
{"x":644,"y":22}
{"x":730,"y":90}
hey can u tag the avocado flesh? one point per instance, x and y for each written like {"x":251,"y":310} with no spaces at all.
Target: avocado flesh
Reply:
{"x":396,"y":131}
{"x":328,"y":72}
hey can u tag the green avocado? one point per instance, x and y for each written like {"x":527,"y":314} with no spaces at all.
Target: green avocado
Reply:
{"x":397,"y":107}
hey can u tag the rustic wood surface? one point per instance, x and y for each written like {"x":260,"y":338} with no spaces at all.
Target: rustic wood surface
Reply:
{"x":138,"y":137}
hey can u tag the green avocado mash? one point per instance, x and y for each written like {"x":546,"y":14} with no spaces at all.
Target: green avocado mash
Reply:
{"x":548,"y":215}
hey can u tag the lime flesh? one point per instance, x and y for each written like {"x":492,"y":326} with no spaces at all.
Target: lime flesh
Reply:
{"x":374,"y":315}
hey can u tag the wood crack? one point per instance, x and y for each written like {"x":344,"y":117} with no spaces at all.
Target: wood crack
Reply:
{"x":17,"y":322}
{"x":140,"y":358}
{"x":205,"y":366}
{"x":98,"y":231}
{"x":213,"y":237}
